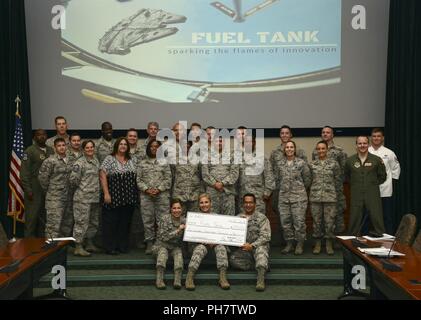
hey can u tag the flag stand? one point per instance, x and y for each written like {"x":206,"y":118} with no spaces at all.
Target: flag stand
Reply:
{"x":13,"y":239}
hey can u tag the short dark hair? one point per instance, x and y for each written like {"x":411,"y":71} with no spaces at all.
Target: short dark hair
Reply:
{"x":250,"y":195}
{"x":117,"y":143}
{"x":148,"y":147}
{"x":195,"y":124}
{"x":323,"y":142}
{"x":377,"y":130}
{"x":174,"y":201}
{"x":210,"y":127}
{"x":286,"y":127}
{"x":58,"y":118}
{"x":74,"y":134}
{"x":105,"y":124}
{"x":333,"y":130}
{"x":84,"y":143}
{"x":131,"y":129}
{"x":39,"y":130}
{"x":242,"y":127}
{"x":57,"y":140}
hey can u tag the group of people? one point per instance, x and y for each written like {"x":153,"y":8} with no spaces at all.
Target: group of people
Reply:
{"x":101,"y":192}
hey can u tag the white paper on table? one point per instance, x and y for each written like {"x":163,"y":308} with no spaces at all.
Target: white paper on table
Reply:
{"x":346,"y":237}
{"x":215,"y":229}
{"x":385,"y":237}
{"x":382,"y":251}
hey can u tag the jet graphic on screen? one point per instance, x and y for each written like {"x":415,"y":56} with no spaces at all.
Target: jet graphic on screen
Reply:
{"x":145,"y":26}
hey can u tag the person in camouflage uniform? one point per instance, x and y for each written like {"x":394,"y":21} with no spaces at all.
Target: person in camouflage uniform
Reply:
{"x":257,"y":242}
{"x":187,"y":183}
{"x":61,"y":128}
{"x":336,"y":153}
{"x":294,"y":177}
{"x":54,"y":179}
{"x":277,"y":155}
{"x":170,"y":239}
{"x":105,"y":144}
{"x":34,"y":198}
{"x":154,"y":182}
{"x":86,"y":207}
{"x":220,"y":179}
{"x":137,"y":232}
{"x":73,"y":153}
{"x":324,"y":194}
{"x":201,"y":250}
{"x":152,"y":130}
{"x":256,"y":177}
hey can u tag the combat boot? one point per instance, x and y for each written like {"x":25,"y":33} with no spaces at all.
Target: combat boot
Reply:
{"x":190,"y":280}
{"x":317,"y":246}
{"x":177,"y":278}
{"x":329,"y":247}
{"x":223,"y":282}
{"x":90,"y":246}
{"x":288,"y":247}
{"x":79,"y":251}
{"x":160,"y":284}
{"x":260,"y":285}
{"x":299,"y":248}
{"x":148,"y":247}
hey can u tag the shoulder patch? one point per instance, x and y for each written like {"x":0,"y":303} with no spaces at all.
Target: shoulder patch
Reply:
{"x":76,"y":168}
{"x":25,"y":156}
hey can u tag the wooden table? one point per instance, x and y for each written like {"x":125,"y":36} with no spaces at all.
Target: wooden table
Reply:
{"x":35,"y":262}
{"x":384,"y":284}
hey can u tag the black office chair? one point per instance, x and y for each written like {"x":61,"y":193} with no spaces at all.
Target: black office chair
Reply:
{"x":406,"y":230}
{"x":417,"y":243}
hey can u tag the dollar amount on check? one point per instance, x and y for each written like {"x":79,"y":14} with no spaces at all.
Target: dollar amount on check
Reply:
{"x":215,"y":229}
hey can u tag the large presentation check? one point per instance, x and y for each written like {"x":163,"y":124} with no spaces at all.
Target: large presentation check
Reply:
{"x":215,"y":229}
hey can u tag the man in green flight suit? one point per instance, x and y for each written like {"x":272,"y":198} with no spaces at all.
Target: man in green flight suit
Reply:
{"x":365,"y":172}
{"x":32,"y":160}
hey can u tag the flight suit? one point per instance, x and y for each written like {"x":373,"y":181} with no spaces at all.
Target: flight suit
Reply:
{"x":365,"y":179}
{"x":32,"y":160}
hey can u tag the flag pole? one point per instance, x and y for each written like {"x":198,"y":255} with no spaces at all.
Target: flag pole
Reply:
{"x":17,"y":101}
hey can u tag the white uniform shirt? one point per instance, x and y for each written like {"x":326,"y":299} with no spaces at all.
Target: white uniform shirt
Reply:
{"x":393,"y":169}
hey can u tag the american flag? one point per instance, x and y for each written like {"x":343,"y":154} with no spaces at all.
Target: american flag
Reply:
{"x":16,"y":204}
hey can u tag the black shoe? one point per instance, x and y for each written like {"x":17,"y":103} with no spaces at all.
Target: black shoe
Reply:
{"x":112,"y":252}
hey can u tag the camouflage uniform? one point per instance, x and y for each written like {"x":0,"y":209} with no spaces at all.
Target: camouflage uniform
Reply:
{"x":276,"y":157}
{"x":103,"y":148}
{"x":50,"y":141}
{"x":337,"y":153}
{"x":68,"y":219}
{"x":85,"y":178}
{"x":293,"y":180}
{"x":136,"y":226}
{"x":223,"y":202}
{"x":252,"y":181}
{"x":201,"y":250}
{"x":187,"y":185}
{"x":258,"y":235}
{"x":168,"y":239}
{"x":54,"y":179}
{"x":325,"y":188}
{"x":152,"y":174}
{"x":32,"y":160}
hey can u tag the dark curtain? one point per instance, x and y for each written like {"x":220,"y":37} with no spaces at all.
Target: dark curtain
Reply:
{"x":403,"y":103}
{"x":13,"y":81}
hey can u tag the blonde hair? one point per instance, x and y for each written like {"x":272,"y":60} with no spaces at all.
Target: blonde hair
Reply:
{"x":204,"y":195}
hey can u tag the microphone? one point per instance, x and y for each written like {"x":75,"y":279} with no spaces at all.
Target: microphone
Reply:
{"x":387,"y":265}
{"x":357,"y":243}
